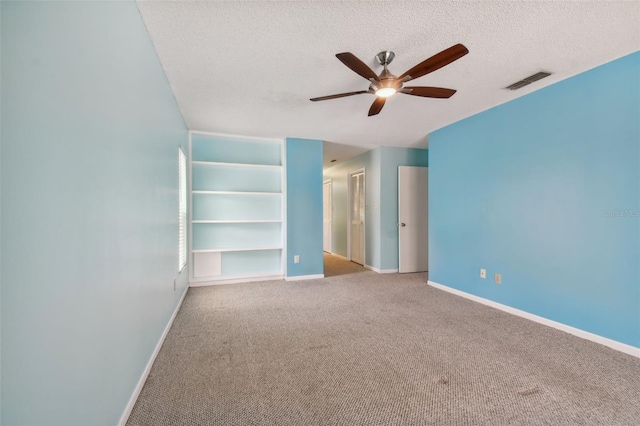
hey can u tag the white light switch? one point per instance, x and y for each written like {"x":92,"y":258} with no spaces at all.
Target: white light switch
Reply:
{"x":296,"y":258}
{"x":483,"y":273}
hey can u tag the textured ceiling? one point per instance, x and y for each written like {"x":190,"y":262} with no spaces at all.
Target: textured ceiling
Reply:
{"x":249,"y":68}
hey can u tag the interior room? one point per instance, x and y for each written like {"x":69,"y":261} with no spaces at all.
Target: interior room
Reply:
{"x":319,"y":212}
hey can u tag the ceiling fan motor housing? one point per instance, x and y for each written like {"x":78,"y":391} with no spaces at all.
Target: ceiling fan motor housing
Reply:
{"x":385,"y":80}
{"x":389,"y":82}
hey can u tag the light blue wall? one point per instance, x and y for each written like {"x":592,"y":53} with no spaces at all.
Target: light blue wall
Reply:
{"x":392,"y":158}
{"x":90,"y":132}
{"x":545,"y":190}
{"x":1,"y":126}
{"x":370,"y":161}
{"x":304,"y":206}
{"x":234,"y":149}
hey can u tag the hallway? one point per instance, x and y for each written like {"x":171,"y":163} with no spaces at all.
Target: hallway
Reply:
{"x":336,"y":265}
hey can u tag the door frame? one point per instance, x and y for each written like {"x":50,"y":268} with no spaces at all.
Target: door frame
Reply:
{"x":350,"y":174}
{"x":330,"y":183}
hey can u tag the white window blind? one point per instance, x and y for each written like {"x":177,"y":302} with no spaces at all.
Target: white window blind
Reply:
{"x":182,"y":209}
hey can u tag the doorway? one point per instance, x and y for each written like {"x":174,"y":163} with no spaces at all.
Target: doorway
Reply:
{"x":327,"y":212}
{"x":413,"y":230}
{"x":356,"y":219}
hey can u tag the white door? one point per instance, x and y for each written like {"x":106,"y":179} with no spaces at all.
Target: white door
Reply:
{"x":326,"y":216}
{"x":413,"y":231}
{"x":357,"y":217}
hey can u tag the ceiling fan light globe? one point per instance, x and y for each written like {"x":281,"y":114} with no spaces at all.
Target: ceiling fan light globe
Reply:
{"x":385,"y":92}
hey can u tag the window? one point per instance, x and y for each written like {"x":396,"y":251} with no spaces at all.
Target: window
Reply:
{"x":182,"y":210}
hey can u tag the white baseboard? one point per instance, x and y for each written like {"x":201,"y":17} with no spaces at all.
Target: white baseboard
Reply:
{"x":381,"y":271}
{"x":145,"y":373}
{"x":243,"y":279}
{"x":613,"y":344}
{"x":304,"y":277}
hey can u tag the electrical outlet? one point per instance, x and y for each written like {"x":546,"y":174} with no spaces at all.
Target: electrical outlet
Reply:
{"x":296,"y":258}
{"x":498,"y":279}
{"x":483,"y":273}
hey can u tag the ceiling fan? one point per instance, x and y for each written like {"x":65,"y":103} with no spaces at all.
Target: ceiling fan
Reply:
{"x":387,"y":84}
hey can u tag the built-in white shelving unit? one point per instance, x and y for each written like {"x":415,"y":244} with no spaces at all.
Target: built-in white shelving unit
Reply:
{"x":218,"y":164}
{"x":237,"y":208}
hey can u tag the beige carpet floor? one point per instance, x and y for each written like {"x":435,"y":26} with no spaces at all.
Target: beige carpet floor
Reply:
{"x":359,"y":348}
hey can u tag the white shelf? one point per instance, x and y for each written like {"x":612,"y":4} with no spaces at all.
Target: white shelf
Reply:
{"x":236,"y":249}
{"x":232,"y":279}
{"x":234,"y":193}
{"x":214,"y":163}
{"x":235,"y":137}
{"x":239,"y":221}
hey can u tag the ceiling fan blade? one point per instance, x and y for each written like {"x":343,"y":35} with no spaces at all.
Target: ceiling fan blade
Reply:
{"x":429,"y":92}
{"x":376,"y":106}
{"x":436,"y":62}
{"x":356,"y":65}
{"x":340,"y":95}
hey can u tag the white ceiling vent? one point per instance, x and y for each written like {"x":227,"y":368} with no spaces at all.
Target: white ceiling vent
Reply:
{"x":525,"y":81}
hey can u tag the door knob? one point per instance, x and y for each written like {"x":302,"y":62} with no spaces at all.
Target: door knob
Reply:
{"x":403,"y":225}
